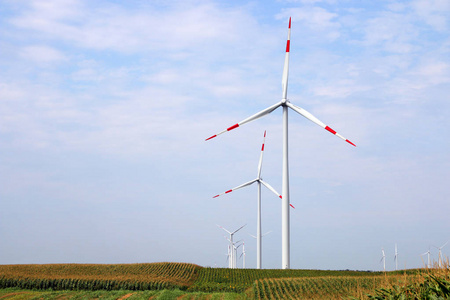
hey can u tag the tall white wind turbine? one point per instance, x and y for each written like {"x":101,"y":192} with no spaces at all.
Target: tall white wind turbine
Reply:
{"x":383,"y":259}
{"x":259,"y":181}
{"x":232,"y":252}
{"x":440,"y":254}
{"x":285,"y":104}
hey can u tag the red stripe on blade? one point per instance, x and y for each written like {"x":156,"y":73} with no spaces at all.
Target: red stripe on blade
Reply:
{"x":262,"y":149}
{"x":228,"y":191}
{"x":289,"y":22}
{"x":292,"y":206}
{"x":330,"y":130}
{"x":350,"y":142}
{"x":216,"y":196}
{"x":287,"y":45}
{"x":211,"y":137}
{"x":280,"y":197}
{"x":233,"y":127}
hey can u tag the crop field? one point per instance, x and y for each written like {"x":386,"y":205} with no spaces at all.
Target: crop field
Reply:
{"x":155,"y":276}
{"x":189,"y":281}
{"x":325,"y":287}
{"x":238,"y":280}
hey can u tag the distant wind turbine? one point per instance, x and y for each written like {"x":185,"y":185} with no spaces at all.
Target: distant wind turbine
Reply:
{"x":440,"y":253}
{"x":232,"y":258}
{"x":243,"y":255}
{"x":260,"y":181}
{"x":396,"y":258}
{"x":383,"y":259}
{"x":285,"y":104}
{"x":428,"y":254}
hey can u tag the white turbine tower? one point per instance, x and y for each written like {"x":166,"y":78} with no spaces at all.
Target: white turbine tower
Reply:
{"x":440,"y":254}
{"x":428,"y":254}
{"x":383,"y":259}
{"x":232,"y":254}
{"x":396,"y":258}
{"x":259,"y":181}
{"x":285,"y":104}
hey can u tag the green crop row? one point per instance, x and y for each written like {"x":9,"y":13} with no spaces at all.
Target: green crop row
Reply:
{"x":82,"y":284}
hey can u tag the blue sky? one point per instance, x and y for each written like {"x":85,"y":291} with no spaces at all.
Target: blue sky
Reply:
{"x":105,"y":106}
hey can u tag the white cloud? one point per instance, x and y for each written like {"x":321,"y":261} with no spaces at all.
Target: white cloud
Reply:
{"x":42,"y":54}
{"x":434,"y":12}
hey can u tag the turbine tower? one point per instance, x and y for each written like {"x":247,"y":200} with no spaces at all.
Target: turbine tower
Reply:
{"x":231,"y":246}
{"x":260,"y":181}
{"x":285,"y":104}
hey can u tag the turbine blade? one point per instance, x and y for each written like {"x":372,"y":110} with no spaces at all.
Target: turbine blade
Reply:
{"x":273,"y":190}
{"x":223,"y":229}
{"x":313,"y":119}
{"x":261,"y":156}
{"x":249,"y":119}
{"x":239,"y":229}
{"x":236,"y":188}
{"x":270,"y":188}
{"x":444,"y":245}
{"x":267,"y":233}
{"x":284,"y":79}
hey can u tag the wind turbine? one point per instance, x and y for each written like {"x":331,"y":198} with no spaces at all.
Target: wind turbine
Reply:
{"x":285,"y":104}
{"x":428,"y":253}
{"x":232,"y":254}
{"x":383,"y":259}
{"x":243,"y":254}
{"x":440,"y":253}
{"x":396,"y":258}
{"x":260,"y":181}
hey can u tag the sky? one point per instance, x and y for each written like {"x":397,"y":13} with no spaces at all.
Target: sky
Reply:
{"x":105,"y":107}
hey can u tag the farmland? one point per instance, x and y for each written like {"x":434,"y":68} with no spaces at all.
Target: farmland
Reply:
{"x":189,"y":281}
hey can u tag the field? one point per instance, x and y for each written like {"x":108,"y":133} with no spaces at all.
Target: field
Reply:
{"x":189,"y":281}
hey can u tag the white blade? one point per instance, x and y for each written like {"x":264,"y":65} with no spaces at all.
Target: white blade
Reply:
{"x":270,"y":188}
{"x":238,"y":229}
{"x":238,"y":187}
{"x":249,"y":119}
{"x":261,"y":156}
{"x":273,"y":190}
{"x":284,"y":79}
{"x":444,"y":245}
{"x":223,"y":229}
{"x":313,"y":119}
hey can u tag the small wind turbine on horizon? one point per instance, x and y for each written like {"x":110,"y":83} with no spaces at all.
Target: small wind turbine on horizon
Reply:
{"x":396,"y":258}
{"x":440,"y":253}
{"x":243,"y":255}
{"x":285,"y":104}
{"x":232,"y":260}
{"x":428,"y":254}
{"x":383,"y":259}
{"x":259,"y":181}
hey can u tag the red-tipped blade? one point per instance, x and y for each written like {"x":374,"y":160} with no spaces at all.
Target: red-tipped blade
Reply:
{"x":249,"y":119}
{"x":236,"y":188}
{"x":313,"y":119}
